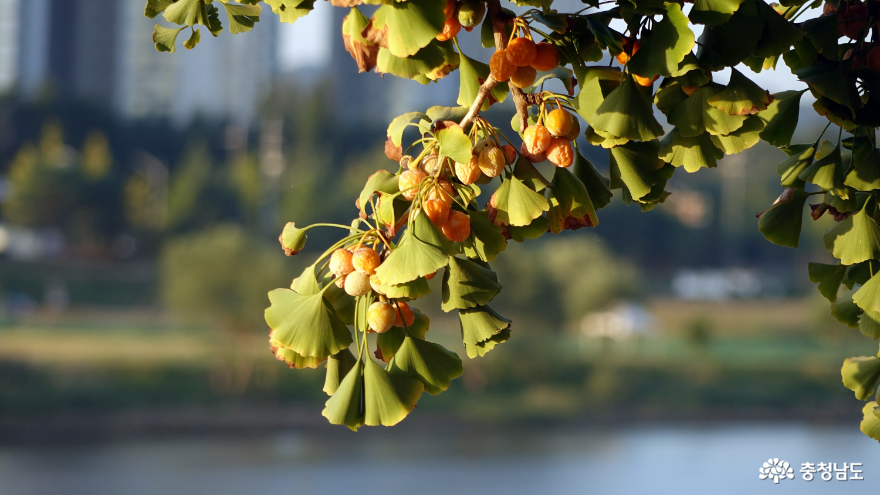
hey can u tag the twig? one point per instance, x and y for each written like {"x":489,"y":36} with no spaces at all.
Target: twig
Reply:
{"x":482,"y":94}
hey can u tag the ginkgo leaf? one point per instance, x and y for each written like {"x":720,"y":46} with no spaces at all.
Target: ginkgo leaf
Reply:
{"x":363,"y":51}
{"x":389,"y":342}
{"x":431,"y":63}
{"x":729,"y":43}
{"x":381,"y":181}
{"x":482,"y":328}
{"x":781,"y":223}
{"x":536,"y":228}
{"x":868,"y":296}
{"x":869,"y":324}
{"x":693,"y":153}
{"x":865,"y":174}
{"x":570,"y":204}
{"x":472,"y":74}
{"x":597,"y":185}
{"x":800,"y":156}
{"x":695,"y":115}
{"x":827,"y":170}
{"x":781,"y":117}
{"x":854,"y":239}
{"x":345,"y":406}
{"x":388,"y":398}
{"x":669,"y":95}
{"x":467,"y":284}
{"x":526,"y":171}
{"x":425,"y":230}
{"x":292,"y":239}
{"x":306,"y":324}
{"x":662,"y":50}
{"x":870,"y":424}
{"x":741,"y":139}
{"x":406,"y":291}
{"x":430,"y":363}
{"x":290,"y":11}
{"x":454,"y":144}
{"x":636,"y":165}
{"x":518,"y":205}
{"x":156,"y":7}
{"x":861,"y":375}
{"x":486,"y":239}
{"x":827,"y":79}
{"x":410,"y":260}
{"x":626,"y":114}
{"x":597,"y":140}
{"x":828,"y":278}
{"x":165,"y":38}
{"x":187,"y":12}
{"x":596,"y":83}
{"x":562,"y":74}
{"x":846,"y":311}
{"x":779,"y":34}
{"x":410,"y":25}
{"x":290,"y":357}
{"x":741,"y":96}
{"x":713,"y":12}
{"x":338,"y":366}
{"x":242,"y":17}
{"x":193,"y":40}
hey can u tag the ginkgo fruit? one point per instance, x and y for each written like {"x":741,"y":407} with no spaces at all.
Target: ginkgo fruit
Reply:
{"x":357,"y":284}
{"x":458,"y":227}
{"x":430,"y":164}
{"x":546,"y":57}
{"x":450,"y":29}
{"x":630,"y":47}
{"x":492,"y":161}
{"x":532,"y":157}
{"x":449,"y":10}
{"x":470,"y":13}
{"x":365,"y":260}
{"x":558,"y":122}
{"x":340,"y":262}
{"x":523,"y":77}
{"x":437,"y":211}
{"x":521,"y":52}
{"x":644,"y":81}
{"x":469,"y":172}
{"x":381,"y":316}
{"x":536,"y":139}
{"x":402,"y":308}
{"x":560,"y":153}
{"x":441,"y":190}
{"x":408,"y":183}
{"x":500,"y":66}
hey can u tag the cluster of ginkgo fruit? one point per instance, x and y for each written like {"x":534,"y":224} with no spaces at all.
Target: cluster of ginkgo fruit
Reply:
{"x":550,"y":138}
{"x":466,"y":14}
{"x":354,"y":268}
{"x":520,"y":62}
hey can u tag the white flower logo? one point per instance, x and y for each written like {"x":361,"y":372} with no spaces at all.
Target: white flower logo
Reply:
{"x":776,"y":470}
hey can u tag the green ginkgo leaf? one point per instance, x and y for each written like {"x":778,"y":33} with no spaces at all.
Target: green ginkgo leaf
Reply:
{"x":827,"y":170}
{"x":306,"y":324}
{"x":869,"y":324}
{"x":597,"y":140}
{"x":860,"y":273}
{"x":854,"y":239}
{"x":338,"y":366}
{"x":430,"y":363}
{"x":188,"y":12}
{"x":695,"y":115}
{"x":342,"y":303}
{"x":193,"y":40}
{"x":242,"y":17}
{"x":800,"y":156}
{"x":482,"y":329}
{"x":846,"y":311}
{"x":345,"y":406}
{"x":636,"y":166}
{"x":823,"y":33}
{"x":517,"y":204}
{"x":596,"y":83}
{"x":410,"y":260}
{"x":597,"y":185}
{"x":779,"y":34}
{"x":411,"y":25}
{"x":165,"y":38}
{"x":486,"y":239}
{"x":455,"y":144}
{"x":431,"y":63}
{"x":669,"y":95}
{"x":388,"y":398}
{"x":741,"y":139}
{"x":292,"y":239}
{"x":781,"y":223}
{"x":870,"y":424}
{"x":828,"y":278}
{"x":406,"y":291}
{"x":829,"y":80}
{"x":400,"y":124}
{"x":861,"y":375}
{"x":472,"y":74}
{"x":535,"y":229}
{"x":626,"y":114}
{"x":662,"y":50}
{"x":713,"y":12}
{"x":741,"y":96}
{"x":865,"y":174}
{"x":156,"y":7}
{"x":693,"y":153}
{"x":569,"y":201}
{"x":467,"y":284}
{"x":381,"y":181}
{"x":390,"y":341}
{"x":868,"y":296}
{"x":425,"y":230}
{"x":526,"y":171}
{"x":729,"y":43}
{"x":290,"y":357}
{"x":290,"y":11}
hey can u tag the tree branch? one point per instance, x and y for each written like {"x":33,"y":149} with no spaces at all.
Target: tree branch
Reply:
{"x":500,"y":21}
